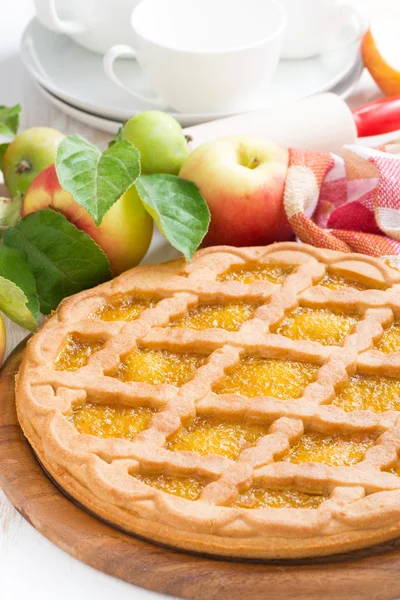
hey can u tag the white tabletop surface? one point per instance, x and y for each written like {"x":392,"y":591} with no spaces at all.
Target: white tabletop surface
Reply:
{"x":30,"y":566}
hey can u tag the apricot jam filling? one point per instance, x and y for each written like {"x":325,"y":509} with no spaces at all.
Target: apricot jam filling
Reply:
{"x":107,"y":421}
{"x":125,"y":308}
{"x":335,"y":282}
{"x":257,"y":497}
{"x":224,"y":316}
{"x":369,"y":392}
{"x":158,"y":366}
{"x":249,"y":273}
{"x":282,"y":379}
{"x":76,"y":352}
{"x":317,"y":325}
{"x":390,"y":341}
{"x":210,"y":436}
{"x":185,"y":487}
{"x":336,"y":450}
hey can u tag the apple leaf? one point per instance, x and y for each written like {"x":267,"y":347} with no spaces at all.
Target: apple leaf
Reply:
{"x":178,"y":208}
{"x":18,"y":298}
{"x":9,"y":120}
{"x":119,"y":136}
{"x":96,"y":180}
{"x":63,"y":259}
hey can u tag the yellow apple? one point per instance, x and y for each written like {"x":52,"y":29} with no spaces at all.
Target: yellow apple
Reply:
{"x":124,"y":233}
{"x":380,"y":51}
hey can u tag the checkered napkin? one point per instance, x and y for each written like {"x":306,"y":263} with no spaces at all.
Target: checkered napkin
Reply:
{"x":350,"y":204}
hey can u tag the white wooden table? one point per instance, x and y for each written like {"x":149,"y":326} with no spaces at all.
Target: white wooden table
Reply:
{"x":30,"y":566}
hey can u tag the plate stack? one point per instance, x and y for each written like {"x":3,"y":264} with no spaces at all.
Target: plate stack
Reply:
{"x":73,"y":79}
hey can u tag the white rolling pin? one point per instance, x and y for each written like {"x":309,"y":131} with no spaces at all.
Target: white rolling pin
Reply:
{"x":323,"y":122}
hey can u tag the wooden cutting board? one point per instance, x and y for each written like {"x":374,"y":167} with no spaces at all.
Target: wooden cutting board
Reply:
{"x":372,"y":574}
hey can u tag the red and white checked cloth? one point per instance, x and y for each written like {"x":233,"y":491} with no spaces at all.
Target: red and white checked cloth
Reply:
{"x":350,"y":204}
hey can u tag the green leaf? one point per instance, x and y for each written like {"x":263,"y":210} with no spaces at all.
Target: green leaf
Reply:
{"x":63,"y":259}
{"x":3,"y":150}
{"x":178,"y":208}
{"x":118,"y":137}
{"x":10,"y":211}
{"x":18,"y":298}
{"x":9,"y":120}
{"x":96,"y":180}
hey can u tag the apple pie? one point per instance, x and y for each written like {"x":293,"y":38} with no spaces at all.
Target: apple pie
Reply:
{"x":245,"y":405}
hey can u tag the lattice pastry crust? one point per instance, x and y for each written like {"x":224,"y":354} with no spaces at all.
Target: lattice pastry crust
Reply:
{"x":276,"y":434}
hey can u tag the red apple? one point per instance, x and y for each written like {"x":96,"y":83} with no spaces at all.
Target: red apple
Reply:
{"x":124,"y":234}
{"x":242,"y":180}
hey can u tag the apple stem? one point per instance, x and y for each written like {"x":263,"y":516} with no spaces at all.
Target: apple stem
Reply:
{"x":23,"y":166}
{"x":253,"y":163}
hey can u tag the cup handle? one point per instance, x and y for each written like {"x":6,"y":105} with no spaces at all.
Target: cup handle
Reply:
{"x":109,"y":59}
{"x":47,"y":14}
{"x":350,"y":13}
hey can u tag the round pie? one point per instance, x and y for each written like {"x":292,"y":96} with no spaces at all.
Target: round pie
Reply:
{"x":246,"y":404}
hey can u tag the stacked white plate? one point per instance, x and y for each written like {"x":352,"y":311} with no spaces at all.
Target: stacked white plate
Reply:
{"x":73,"y":79}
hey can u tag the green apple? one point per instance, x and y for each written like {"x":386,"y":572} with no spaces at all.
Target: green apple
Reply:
{"x":160,"y":141}
{"x":29,"y":154}
{"x":10,"y":211}
{"x":3,"y":339}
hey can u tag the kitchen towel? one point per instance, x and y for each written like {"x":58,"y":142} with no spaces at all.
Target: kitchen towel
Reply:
{"x":349,"y":203}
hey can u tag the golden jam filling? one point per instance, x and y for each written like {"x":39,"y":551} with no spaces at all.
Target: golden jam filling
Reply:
{"x":282,"y":379}
{"x":257,"y":497}
{"x":335,"y":282}
{"x":224,"y":316}
{"x":249,"y":273}
{"x":369,"y":392}
{"x":107,"y":421}
{"x":125,"y":308}
{"x":76,"y":352}
{"x":317,"y":325}
{"x":209,"y":436}
{"x":335,"y":450}
{"x":185,"y":487}
{"x":153,"y":366}
{"x":390,"y":341}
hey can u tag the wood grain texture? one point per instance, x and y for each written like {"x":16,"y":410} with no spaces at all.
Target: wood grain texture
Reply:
{"x":372,"y":573}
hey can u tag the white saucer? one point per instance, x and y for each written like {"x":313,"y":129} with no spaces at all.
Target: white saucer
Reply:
{"x":79,"y":115}
{"x":76,"y":76}
{"x":343,"y":89}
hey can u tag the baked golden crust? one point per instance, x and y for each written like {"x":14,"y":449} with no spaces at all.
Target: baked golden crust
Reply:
{"x":359,"y":504}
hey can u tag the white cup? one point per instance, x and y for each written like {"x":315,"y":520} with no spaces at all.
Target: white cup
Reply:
{"x":94,"y":24}
{"x":316,"y":26}
{"x":204,"y":55}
